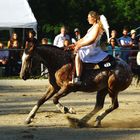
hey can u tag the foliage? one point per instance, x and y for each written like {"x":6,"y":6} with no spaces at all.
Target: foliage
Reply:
{"x":51,"y":14}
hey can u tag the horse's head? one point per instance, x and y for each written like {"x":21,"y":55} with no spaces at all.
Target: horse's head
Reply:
{"x":26,"y":64}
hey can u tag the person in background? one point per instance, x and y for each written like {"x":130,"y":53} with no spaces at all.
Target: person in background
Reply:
{"x":4,"y":59}
{"x":113,"y":49}
{"x":138,"y":58}
{"x":134,"y":39}
{"x":59,"y":39}
{"x":125,"y":43}
{"x":114,"y":35}
{"x":14,"y":56}
{"x":4,"y":55}
{"x":13,"y":43}
{"x":66,"y":43}
{"x":138,"y":54}
{"x":134,"y":49}
{"x":77,"y":35}
{"x":44,"y":41}
{"x":31,"y":40}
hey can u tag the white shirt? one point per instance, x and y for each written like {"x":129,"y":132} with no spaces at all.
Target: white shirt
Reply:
{"x":138,"y":58}
{"x":59,"y":40}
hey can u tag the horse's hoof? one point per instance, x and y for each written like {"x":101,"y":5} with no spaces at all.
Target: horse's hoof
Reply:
{"x":27,"y":121}
{"x":68,"y":110}
{"x":76,"y":123}
{"x":71,"y":111}
{"x":97,"y":124}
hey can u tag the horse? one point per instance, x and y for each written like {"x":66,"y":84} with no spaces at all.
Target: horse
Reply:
{"x":60,"y":67}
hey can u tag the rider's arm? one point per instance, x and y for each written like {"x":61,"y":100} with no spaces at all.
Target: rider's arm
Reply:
{"x":92,"y":35}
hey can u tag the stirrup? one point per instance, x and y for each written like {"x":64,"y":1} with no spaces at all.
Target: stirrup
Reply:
{"x":75,"y":81}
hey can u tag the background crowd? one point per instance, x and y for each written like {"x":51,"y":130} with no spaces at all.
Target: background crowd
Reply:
{"x":126,"y":47}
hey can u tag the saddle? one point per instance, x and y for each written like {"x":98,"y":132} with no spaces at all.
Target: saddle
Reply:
{"x":108,"y":63}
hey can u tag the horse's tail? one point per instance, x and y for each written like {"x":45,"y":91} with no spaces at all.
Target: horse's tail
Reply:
{"x":124,"y":65}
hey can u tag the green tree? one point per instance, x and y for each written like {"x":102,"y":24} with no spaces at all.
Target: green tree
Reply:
{"x":51,"y":14}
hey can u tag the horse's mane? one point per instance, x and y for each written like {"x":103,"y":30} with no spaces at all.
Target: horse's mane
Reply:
{"x":54,"y":54}
{"x":50,"y":48}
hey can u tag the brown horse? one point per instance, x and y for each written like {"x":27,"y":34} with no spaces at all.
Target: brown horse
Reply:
{"x":59,"y":63}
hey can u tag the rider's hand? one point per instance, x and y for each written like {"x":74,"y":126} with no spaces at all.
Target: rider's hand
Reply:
{"x":77,"y":47}
{"x":72,"y":46}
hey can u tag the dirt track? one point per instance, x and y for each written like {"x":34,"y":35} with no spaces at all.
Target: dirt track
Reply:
{"x":17,"y":97}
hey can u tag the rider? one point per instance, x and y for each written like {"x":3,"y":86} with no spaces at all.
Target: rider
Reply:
{"x":87,"y":49}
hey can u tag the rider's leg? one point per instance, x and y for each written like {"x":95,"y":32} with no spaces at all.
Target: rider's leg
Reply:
{"x":78,"y":66}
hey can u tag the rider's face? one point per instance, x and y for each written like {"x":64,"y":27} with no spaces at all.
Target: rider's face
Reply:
{"x":91,"y":19}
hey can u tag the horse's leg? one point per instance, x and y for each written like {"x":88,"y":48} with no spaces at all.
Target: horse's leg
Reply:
{"x":61,"y":93}
{"x":113,"y":106}
{"x":50,"y":92}
{"x":100,"y":97}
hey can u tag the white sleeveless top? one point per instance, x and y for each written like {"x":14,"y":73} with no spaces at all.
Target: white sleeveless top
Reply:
{"x":138,"y":58}
{"x":92,"y":53}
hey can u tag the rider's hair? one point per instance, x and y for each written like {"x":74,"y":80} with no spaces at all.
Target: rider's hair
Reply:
{"x":97,"y":17}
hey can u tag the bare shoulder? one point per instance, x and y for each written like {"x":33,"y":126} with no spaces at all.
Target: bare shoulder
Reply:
{"x":97,"y":25}
{"x":96,"y":28}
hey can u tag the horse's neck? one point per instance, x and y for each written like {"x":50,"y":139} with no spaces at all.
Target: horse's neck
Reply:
{"x":52,"y":58}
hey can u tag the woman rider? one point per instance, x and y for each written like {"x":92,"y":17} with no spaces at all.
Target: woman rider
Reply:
{"x":88,"y":49}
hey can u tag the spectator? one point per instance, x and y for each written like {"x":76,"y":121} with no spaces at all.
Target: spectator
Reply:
{"x":113,"y":49}
{"x":44,"y":41}
{"x":59,"y":39}
{"x":114,"y":35}
{"x":14,"y":56}
{"x":138,"y":54}
{"x":134,"y":51}
{"x":4,"y":59}
{"x":66,"y":43}
{"x":13,"y":43}
{"x":138,"y":59}
{"x":77,"y":35}
{"x":4,"y":55}
{"x":31,"y":40}
{"x":126,"y":44}
{"x":134,"y":39}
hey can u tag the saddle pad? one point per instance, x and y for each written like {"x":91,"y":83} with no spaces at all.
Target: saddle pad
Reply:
{"x":108,"y":63}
